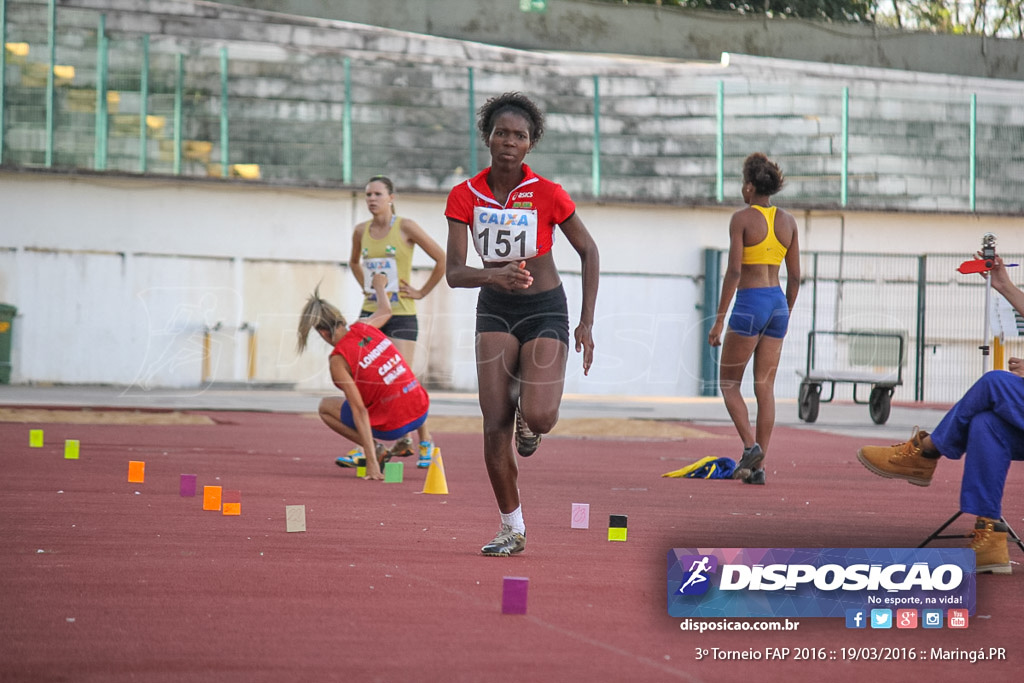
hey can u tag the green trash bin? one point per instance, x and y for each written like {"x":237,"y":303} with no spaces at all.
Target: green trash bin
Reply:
{"x":6,"y":333}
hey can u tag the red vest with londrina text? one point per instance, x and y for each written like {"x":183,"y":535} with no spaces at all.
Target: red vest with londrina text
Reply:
{"x":392,"y":394}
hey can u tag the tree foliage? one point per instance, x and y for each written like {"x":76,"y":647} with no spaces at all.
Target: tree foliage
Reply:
{"x":1003,"y":18}
{"x":832,"y":10}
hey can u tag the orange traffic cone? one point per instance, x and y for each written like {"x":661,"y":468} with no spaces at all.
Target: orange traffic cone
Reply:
{"x":436,"y":482}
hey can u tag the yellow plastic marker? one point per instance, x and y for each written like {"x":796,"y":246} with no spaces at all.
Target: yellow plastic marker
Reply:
{"x":71,"y":449}
{"x":617,"y":527}
{"x":35,"y":438}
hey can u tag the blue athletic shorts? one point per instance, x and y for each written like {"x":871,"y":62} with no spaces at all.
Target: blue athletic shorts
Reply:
{"x":389,"y":435}
{"x":760,"y":310}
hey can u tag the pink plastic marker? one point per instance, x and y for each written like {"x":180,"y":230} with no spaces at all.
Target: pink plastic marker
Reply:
{"x":580,"y":515}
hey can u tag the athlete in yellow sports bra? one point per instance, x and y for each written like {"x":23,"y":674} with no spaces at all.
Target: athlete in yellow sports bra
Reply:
{"x":770,"y":251}
{"x":760,"y":315}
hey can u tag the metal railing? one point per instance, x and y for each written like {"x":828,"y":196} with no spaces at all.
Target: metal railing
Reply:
{"x":76,"y":95}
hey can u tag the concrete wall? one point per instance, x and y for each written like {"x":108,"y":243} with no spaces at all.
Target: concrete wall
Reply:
{"x":117,"y":279}
{"x":582,"y":26}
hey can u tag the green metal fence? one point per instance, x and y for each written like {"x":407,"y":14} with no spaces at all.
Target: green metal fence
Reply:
{"x":939,"y":312}
{"x":77,"y":95}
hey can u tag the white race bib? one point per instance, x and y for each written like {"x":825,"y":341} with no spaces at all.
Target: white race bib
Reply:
{"x":505,"y":234}
{"x":387,"y":265}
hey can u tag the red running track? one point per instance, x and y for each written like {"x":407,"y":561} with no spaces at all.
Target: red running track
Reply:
{"x":103,"y":580}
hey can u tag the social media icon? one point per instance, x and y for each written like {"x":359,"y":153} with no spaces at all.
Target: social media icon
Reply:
{"x":881,"y":618}
{"x":856,"y":618}
{"x":931,"y":618}
{"x":906,"y":618}
{"x":957,"y":618}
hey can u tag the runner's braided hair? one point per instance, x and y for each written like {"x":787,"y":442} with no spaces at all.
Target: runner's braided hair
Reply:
{"x":515,"y":102}
{"x":318,"y":315}
{"x":763,"y":173}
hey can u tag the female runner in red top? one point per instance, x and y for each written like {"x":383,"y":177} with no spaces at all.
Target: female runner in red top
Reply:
{"x":522,"y":325}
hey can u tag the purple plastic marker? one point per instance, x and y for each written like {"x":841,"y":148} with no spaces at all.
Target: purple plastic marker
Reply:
{"x":188,"y":485}
{"x":513,"y":594}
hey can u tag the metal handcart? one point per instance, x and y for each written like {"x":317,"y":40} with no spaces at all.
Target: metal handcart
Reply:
{"x":856,"y":357}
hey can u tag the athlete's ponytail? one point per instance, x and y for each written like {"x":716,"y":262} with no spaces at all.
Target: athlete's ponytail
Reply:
{"x":318,"y":315}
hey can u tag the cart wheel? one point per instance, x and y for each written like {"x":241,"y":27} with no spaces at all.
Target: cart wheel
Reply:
{"x":879,"y":404}
{"x":807,"y":405}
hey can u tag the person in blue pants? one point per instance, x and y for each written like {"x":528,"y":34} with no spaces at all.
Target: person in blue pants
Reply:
{"x":987,"y":426}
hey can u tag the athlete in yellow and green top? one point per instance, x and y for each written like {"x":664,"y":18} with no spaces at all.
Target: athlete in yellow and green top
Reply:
{"x":761,"y":237}
{"x":385,"y":244}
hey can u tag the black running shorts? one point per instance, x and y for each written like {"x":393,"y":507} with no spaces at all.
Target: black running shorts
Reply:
{"x":399,"y":326}
{"x":525,"y":316}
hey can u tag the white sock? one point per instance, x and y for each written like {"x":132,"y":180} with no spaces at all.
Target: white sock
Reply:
{"x":515,"y":520}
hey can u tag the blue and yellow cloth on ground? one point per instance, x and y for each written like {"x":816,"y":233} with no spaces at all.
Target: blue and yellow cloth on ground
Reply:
{"x":710,"y":467}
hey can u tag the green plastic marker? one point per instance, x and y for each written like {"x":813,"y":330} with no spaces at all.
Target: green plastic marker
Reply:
{"x":393,"y":472}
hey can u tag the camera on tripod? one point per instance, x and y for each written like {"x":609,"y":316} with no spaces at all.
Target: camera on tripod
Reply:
{"x":988,"y":247}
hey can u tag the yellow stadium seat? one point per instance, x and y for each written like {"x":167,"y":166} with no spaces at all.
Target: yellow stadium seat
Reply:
{"x":17,"y":49}
{"x":246,"y":171}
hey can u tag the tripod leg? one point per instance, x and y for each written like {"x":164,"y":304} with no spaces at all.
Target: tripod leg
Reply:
{"x":1013,"y":534}
{"x":935,"y":534}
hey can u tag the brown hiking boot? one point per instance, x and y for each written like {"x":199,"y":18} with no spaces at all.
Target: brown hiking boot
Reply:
{"x":989,"y":545}
{"x":901,"y":461}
